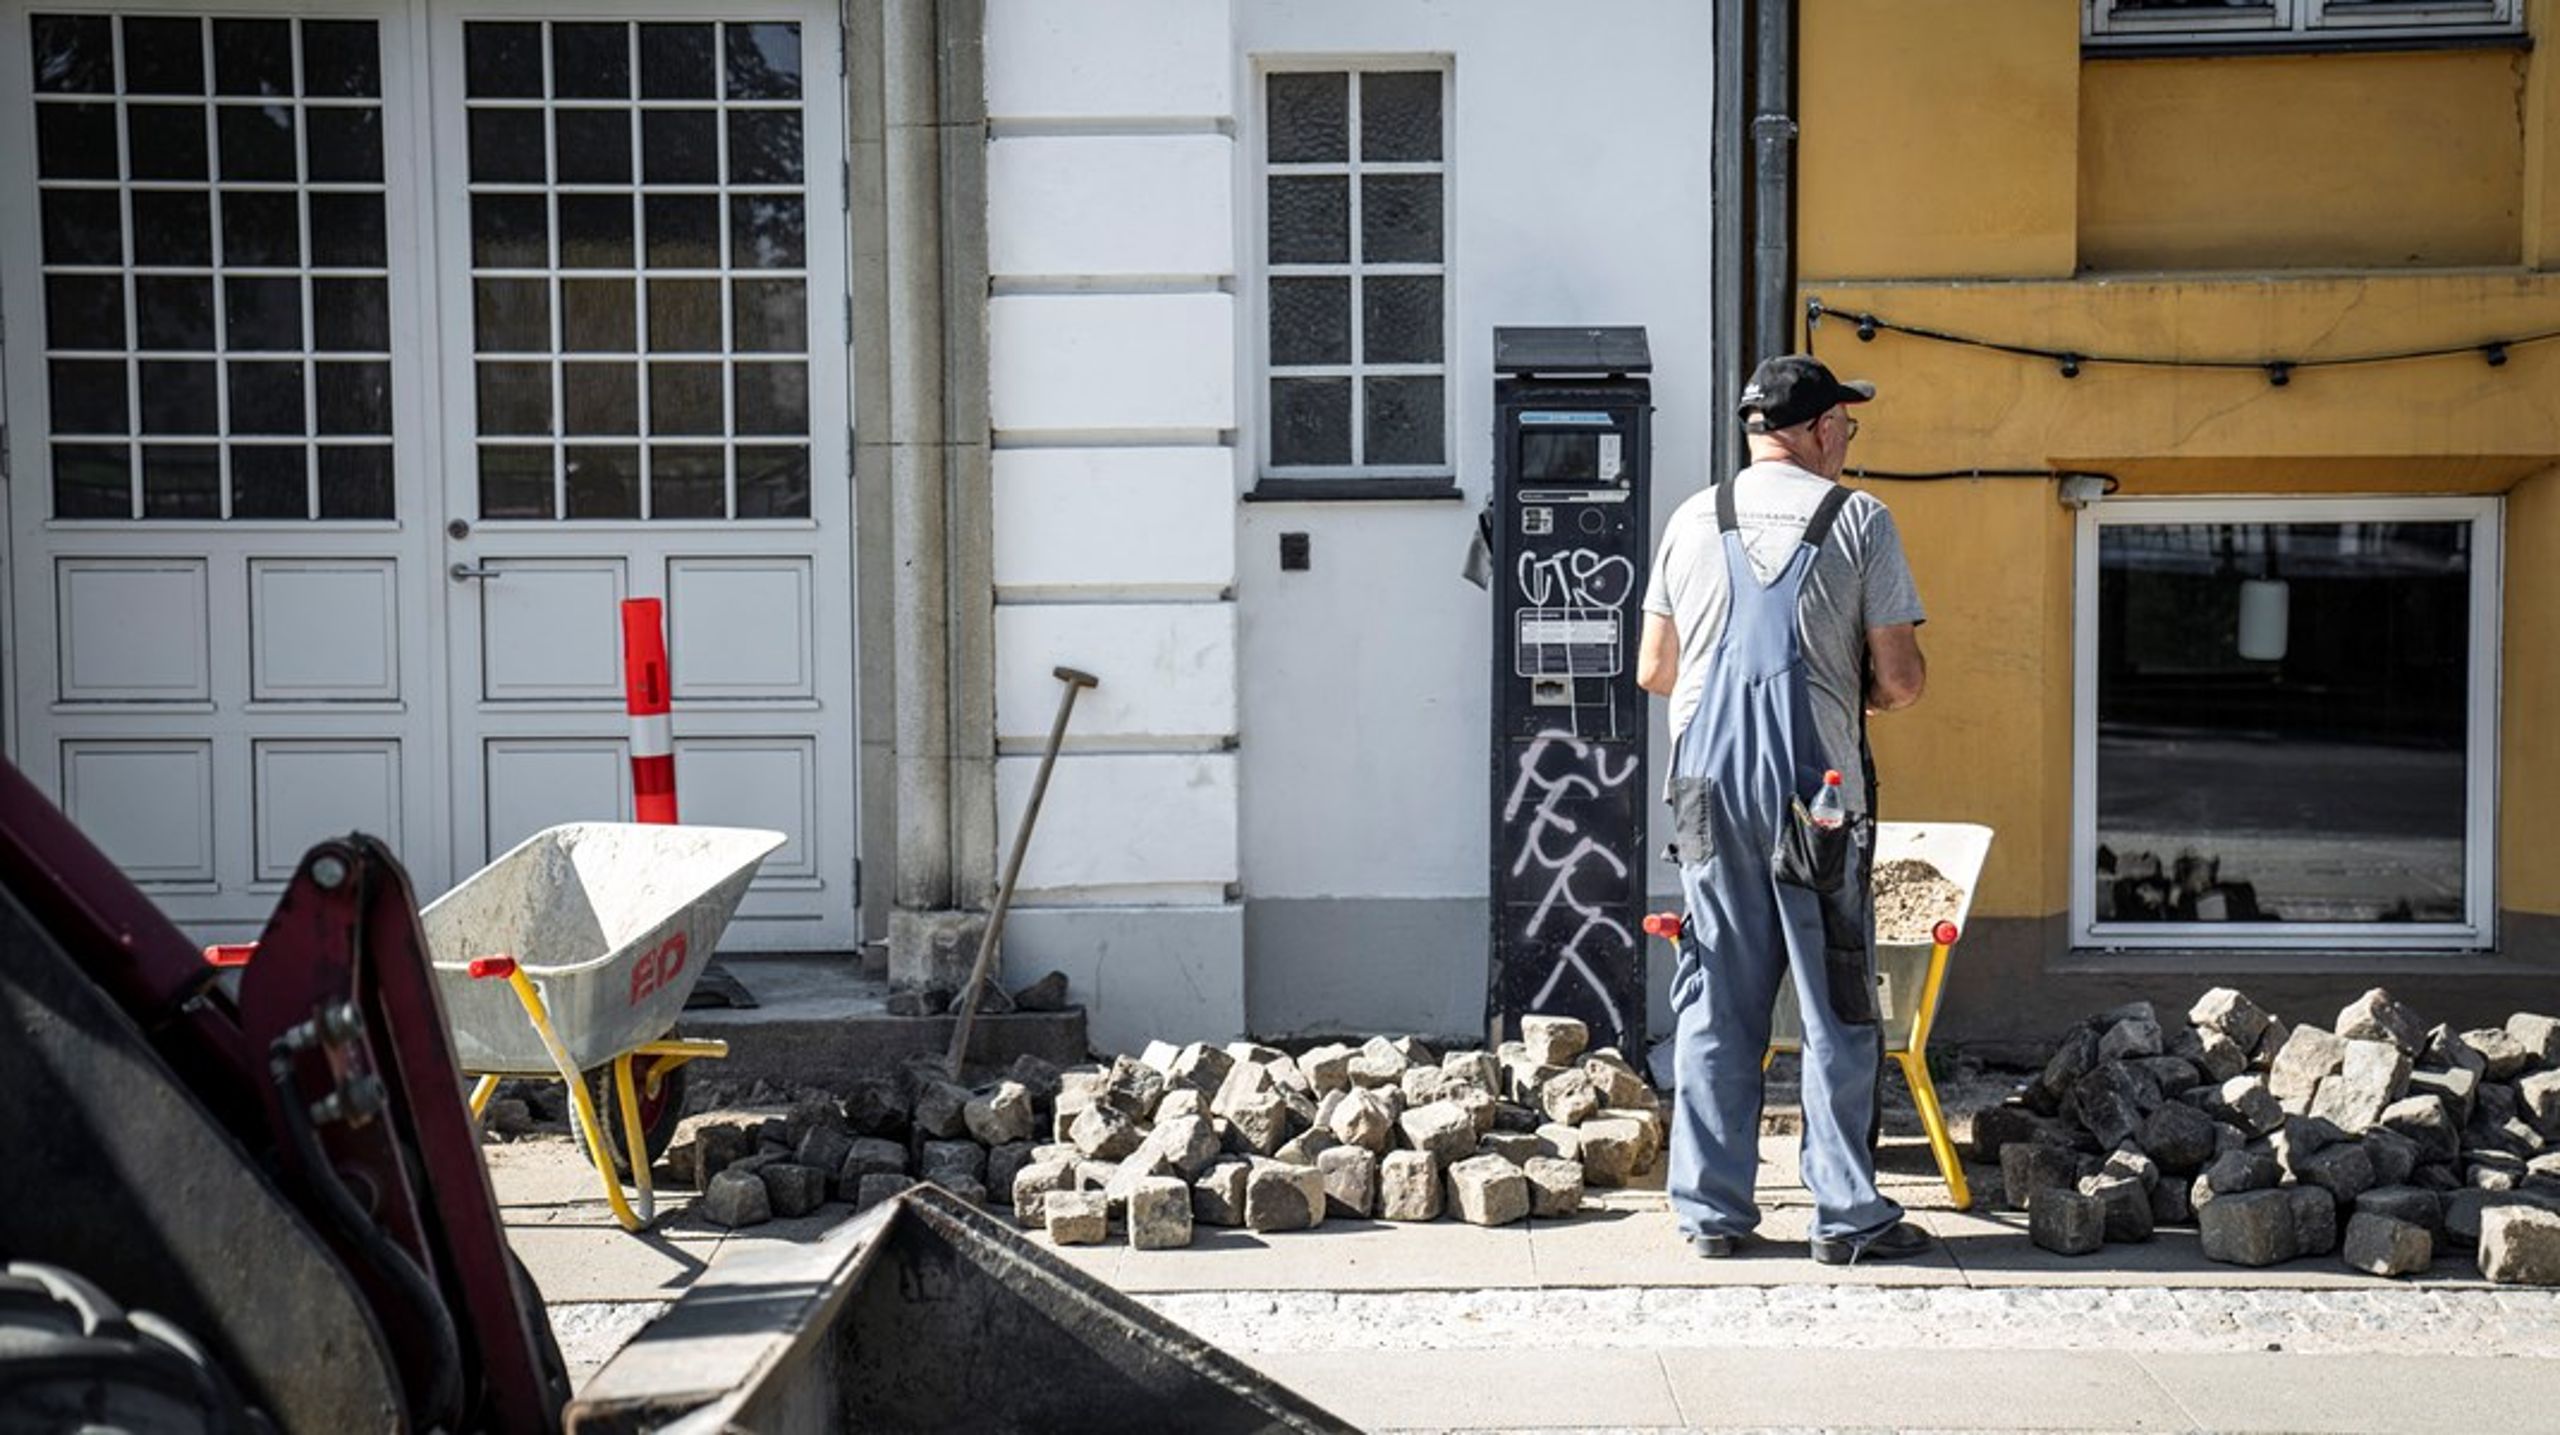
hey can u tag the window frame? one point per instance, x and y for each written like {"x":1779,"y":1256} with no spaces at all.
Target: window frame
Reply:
{"x":2478,"y":929}
{"x":1349,"y":479}
{"x":2312,"y":23}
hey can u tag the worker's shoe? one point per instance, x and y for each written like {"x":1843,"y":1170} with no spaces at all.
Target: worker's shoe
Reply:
{"x":1895,"y":1242}
{"x":1715,"y":1248}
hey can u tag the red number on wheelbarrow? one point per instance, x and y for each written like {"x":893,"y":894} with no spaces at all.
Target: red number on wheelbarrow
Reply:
{"x":658,"y":969}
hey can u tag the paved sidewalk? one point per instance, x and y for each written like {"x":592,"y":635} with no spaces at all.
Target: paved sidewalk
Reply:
{"x":1605,"y":1322}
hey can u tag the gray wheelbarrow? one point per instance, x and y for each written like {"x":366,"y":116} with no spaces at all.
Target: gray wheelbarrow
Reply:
{"x":573,"y":954}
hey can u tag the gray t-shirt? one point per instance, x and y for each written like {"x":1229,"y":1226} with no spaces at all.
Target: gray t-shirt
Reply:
{"x":1860,"y":580}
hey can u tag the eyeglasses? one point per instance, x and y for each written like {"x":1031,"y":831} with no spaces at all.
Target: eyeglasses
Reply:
{"x":1851,"y":424}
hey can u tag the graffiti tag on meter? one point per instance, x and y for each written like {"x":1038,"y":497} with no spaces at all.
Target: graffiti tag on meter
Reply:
{"x":1577,"y":578}
{"x":1556,"y":770}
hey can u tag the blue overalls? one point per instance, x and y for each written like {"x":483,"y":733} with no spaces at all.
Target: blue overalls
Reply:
{"x":1769,"y":896}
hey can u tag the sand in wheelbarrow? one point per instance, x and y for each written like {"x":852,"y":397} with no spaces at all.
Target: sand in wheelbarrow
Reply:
{"x":1912,"y":898}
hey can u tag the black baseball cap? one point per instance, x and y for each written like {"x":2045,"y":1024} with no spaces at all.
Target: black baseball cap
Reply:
{"x":1793,"y":388}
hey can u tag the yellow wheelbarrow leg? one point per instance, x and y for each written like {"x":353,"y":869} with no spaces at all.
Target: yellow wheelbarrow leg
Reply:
{"x":1924,"y":1095}
{"x":583,"y":1105}
{"x":634,"y":1138}
{"x":481,"y":1091}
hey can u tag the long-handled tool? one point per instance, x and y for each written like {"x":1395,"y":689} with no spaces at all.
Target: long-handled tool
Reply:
{"x":981,"y":971}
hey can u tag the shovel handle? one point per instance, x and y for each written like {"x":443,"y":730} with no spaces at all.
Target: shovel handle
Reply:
{"x":1075,"y":677}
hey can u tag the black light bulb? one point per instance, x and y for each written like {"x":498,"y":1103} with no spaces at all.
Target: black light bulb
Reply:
{"x":2071,"y":366}
{"x":1866,"y":328}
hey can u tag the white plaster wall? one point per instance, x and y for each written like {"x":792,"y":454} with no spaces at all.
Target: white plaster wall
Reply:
{"x":1579,"y":188}
{"x":1062,"y":205}
{"x":1108,"y":61}
{"x":1111,"y":361}
{"x":1173,"y":678}
{"x":1122,"y":822}
{"x":1079,"y":522}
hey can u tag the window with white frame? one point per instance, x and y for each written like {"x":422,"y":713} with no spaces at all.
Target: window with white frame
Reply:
{"x":2141,"y":22}
{"x":2285,"y":726}
{"x":1354,"y":309}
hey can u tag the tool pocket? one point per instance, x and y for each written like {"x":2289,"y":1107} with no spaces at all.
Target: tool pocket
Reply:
{"x":1848,"y":956}
{"x":1693,"y":820}
{"x":1811,"y":856}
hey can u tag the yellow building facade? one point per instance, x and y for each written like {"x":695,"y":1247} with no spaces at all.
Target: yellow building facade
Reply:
{"x":1982,"y":169}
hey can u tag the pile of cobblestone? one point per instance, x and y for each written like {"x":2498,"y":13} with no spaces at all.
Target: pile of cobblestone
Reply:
{"x":2377,"y":1138}
{"x":1239,"y":1135}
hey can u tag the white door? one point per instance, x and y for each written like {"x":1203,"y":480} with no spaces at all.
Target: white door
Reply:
{"x":641,"y":322}
{"x":220,"y":532}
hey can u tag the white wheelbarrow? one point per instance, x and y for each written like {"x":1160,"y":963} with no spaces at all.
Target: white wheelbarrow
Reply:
{"x":573,"y":954}
{"x":1910,"y":977}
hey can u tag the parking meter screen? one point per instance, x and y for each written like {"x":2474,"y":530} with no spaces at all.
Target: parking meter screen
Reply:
{"x":1560,"y":458}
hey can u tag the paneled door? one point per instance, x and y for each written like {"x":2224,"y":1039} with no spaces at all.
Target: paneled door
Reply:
{"x":222,"y":564}
{"x":640,"y":224}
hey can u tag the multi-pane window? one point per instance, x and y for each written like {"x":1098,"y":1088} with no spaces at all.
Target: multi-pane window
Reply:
{"x":2288,"y":721}
{"x":2140,"y":22}
{"x":640,"y":294}
{"x":1355,"y":308}
{"x":216,"y":302}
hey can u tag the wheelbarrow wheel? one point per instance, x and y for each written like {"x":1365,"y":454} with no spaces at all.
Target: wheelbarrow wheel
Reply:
{"x":658,"y":1114}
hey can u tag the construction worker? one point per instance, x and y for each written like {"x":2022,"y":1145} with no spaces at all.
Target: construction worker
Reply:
{"x":1780,"y":612}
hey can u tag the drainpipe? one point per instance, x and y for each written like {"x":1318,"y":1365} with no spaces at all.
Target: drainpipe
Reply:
{"x":1728,"y":177}
{"x":1773,"y":146}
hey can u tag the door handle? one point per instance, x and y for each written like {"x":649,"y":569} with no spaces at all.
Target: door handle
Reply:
{"x":464,"y":572}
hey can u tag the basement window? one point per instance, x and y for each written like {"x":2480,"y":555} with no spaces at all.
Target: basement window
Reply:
{"x":1352,"y":254}
{"x":2285,"y":727}
{"x":2134,"y":24}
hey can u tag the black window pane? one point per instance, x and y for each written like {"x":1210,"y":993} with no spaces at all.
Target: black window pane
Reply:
{"x":172,"y":226}
{"x":683,"y":230}
{"x":1310,"y":422}
{"x":591,"y":62}
{"x":595,"y":231}
{"x":604,"y":481}
{"x":341,"y":58}
{"x":92,"y":481}
{"x":266,"y":398}
{"x":353,"y":398}
{"x":1311,"y":321}
{"x":769,"y":316}
{"x":764,"y":61}
{"x":261,"y":229}
{"x":514,"y":399}
{"x":88,"y":396}
{"x":684,"y":316}
{"x":83,"y":226}
{"x":1400,"y":218}
{"x":345,"y":144}
{"x":347,"y":230}
{"x":350,"y":316}
{"x":599,"y":316}
{"x":2282,"y":712}
{"x":773,"y":399}
{"x":764,"y":146}
{"x":679,"y":147}
{"x":253,"y":57}
{"x":768,"y":231}
{"x":74,"y":54}
{"x":773,"y":482}
{"x":1400,"y":320}
{"x":269,"y":481}
{"x":166,"y":141}
{"x":262,"y":313}
{"x":1403,"y":419}
{"x":594,"y":146}
{"x":502,"y":60}
{"x":1310,"y":219}
{"x":355,"y":482}
{"x":83,"y":311}
{"x":511,"y":316}
{"x":78,"y":141}
{"x":1310,"y":119}
{"x":515,"y":482}
{"x":600,"y":398}
{"x":506,"y":147}
{"x":687,"y":481}
{"x":178,"y":398}
{"x":1400,"y":115}
{"x":163,"y":57}
{"x":181,"y":481}
{"x":684,"y":399}
{"x":172,"y":313}
{"x":675,"y":62}
{"x":510,"y":231}
{"x":257,"y":142}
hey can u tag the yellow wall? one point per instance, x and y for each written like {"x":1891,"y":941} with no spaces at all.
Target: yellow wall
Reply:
{"x":2302,"y":161}
{"x":2383,"y":201}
